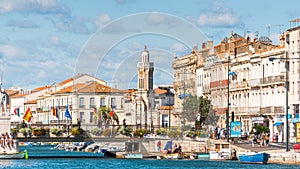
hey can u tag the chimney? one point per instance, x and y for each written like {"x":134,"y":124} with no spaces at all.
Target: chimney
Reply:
{"x":203,"y":45}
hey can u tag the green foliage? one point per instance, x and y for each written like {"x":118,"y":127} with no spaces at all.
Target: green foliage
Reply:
{"x":212,"y":118}
{"x":141,"y":132}
{"x":76,"y":131}
{"x":14,"y":130}
{"x":38,"y":131}
{"x":161,"y":131}
{"x":25,"y":131}
{"x":96,"y":131}
{"x":55,"y":131}
{"x":192,"y":106}
{"x":126,"y":131}
{"x":260,"y":128}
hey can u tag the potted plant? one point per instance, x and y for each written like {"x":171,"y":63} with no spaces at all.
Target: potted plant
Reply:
{"x":55,"y":131}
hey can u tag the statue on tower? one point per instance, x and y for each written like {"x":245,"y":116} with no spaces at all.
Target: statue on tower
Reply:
{"x":3,"y":100}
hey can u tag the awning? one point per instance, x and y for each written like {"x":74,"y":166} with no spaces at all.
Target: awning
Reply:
{"x":278,"y":123}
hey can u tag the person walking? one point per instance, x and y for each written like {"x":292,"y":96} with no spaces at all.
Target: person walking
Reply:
{"x":253,"y":139}
{"x":267,"y":139}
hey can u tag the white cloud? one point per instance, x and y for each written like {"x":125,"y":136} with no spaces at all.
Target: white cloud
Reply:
{"x":178,"y":47}
{"x":9,"y":51}
{"x":101,"y":20}
{"x":33,"y":6}
{"x":218,"y":15}
{"x":223,"y":19}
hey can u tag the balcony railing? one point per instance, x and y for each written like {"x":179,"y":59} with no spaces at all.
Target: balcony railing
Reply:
{"x":272,"y":79}
{"x":258,"y":110}
{"x":239,"y":85}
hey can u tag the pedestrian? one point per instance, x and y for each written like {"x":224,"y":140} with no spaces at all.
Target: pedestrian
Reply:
{"x":262,"y":139}
{"x":124,"y":123}
{"x":253,"y":139}
{"x":267,"y":139}
{"x":158,"y":144}
{"x":78,"y":122}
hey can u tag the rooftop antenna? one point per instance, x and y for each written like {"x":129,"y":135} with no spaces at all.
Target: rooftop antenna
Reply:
{"x":1,"y":80}
{"x":268,"y":26}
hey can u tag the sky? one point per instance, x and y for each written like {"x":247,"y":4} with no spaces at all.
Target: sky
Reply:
{"x":47,"y":41}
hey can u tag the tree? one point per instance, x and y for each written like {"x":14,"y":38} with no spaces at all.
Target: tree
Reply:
{"x":193,"y":106}
{"x":104,"y":117}
{"x":212,"y":118}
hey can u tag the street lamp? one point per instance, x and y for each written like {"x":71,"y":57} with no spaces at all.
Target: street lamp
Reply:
{"x":271,"y":59}
{"x":228,"y":97}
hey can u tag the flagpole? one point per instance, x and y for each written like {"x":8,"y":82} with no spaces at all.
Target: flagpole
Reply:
{"x":67,"y":117}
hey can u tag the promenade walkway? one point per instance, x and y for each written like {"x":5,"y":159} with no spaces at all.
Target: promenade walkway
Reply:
{"x":277,"y":151}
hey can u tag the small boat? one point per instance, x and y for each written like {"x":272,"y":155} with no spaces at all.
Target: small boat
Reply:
{"x":134,"y":156}
{"x":173,"y":156}
{"x":20,"y":155}
{"x":220,"y":151}
{"x":204,"y":156}
{"x":254,"y":158}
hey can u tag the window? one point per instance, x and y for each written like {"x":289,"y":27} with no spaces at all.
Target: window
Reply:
{"x":113,"y":102}
{"x":122,"y":103}
{"x":92,"y":102}
{"x":81,"y":102}
{"x":82,"y":117}
{"x":102,"y":102}
{"x":91,"y":117}
{"x":165,"y":121}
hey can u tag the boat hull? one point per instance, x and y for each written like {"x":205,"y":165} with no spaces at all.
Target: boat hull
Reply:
{"x":256,"y":158}
{"x":203,"y":156}
{"x":134,"y":156}
{"x":173,"y":156}
{"x":13,"y":156}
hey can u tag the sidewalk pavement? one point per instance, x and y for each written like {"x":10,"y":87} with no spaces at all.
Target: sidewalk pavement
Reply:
{"x":246,"y":144}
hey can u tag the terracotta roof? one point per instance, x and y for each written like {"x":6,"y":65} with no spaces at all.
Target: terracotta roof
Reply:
{"x":20,"y":95}
{"x":99,"y":88}
{"x":66,"y":81}
{"x":41,"y":88}
{"x":31,"y":102}
{"x":88,"y":88}
{"x":160,"y":91}
{"x":11,"y":92}
{"x":70,"y":89}
{"x":166,"y":108}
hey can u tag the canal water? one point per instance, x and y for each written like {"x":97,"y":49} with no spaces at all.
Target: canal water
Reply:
{"x":109,"y":163}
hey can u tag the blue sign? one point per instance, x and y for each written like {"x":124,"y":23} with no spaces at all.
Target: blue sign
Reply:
{"x":235,"y":129}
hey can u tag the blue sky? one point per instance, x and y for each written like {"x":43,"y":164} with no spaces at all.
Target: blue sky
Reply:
{"x":49,"y":41}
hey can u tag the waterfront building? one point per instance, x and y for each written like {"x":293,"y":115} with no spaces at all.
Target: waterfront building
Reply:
{"x":145,"y":93}
{"x":256,"y":85}
{"x":184,"y":82}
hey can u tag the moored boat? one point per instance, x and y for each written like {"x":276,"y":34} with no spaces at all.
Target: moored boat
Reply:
{"x":254,"y":158}
{"x":133,"y":156}
{"x":20,"y":155}
{"x":173,"y":156}
{"x":204,"y":156}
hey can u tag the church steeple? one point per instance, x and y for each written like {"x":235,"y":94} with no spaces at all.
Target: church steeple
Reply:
{"x":145,"y":72}
{"x":145,"y":55}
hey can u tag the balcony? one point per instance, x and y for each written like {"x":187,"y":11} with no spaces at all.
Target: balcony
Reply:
{"x":272,"y":110}
{"x":237,"y":85}
{"x":258,"y":110}
{"x":272,"y":79}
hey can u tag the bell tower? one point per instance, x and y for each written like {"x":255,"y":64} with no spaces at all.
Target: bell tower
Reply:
{"x":145,"y":72}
